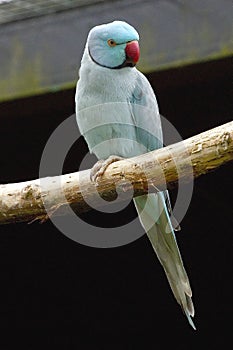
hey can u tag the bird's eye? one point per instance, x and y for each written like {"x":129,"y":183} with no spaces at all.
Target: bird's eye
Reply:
{"x":111,"y":42}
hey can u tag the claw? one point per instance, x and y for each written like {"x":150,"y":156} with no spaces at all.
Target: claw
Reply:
{"x":95,"y":170}
{"x":99,"y":168}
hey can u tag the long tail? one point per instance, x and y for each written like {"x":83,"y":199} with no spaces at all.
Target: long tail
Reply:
{"x":155,"y":219}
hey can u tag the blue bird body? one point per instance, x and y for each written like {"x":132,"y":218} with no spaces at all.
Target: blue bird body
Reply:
{"x":118,"y":114}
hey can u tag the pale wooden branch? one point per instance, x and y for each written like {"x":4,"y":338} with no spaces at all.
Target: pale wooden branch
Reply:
{"x":162,"y":168}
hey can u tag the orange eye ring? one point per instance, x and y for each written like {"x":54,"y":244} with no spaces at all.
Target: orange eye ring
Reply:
{"x":111,"y":43}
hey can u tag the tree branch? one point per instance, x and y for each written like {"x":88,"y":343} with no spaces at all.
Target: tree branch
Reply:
{"x":158,"y":169}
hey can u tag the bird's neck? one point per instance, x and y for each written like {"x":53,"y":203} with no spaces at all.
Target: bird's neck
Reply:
{"x":103,"y":78}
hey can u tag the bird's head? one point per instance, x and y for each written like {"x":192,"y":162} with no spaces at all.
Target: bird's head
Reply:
{"x":114,"y":45}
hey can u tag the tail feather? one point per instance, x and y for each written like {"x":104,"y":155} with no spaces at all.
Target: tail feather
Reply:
{"x":156,"y":221}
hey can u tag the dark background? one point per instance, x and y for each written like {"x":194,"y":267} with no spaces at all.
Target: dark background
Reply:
{"x":56,"y":292}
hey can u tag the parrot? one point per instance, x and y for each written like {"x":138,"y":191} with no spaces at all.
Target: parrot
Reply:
{"x":117,"y":113}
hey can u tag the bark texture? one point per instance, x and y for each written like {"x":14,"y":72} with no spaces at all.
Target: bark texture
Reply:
{"x":166,"y":167}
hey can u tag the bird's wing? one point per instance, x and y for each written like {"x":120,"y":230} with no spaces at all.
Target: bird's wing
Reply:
{"x":145,"y":114}
{"x":154,"y":209}
{"x":146,"y":117}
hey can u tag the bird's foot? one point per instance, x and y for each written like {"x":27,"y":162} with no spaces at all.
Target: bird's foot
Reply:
{"x":99,"y":168}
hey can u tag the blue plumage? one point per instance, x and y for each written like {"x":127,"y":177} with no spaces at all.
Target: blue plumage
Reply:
{"x":99,"y":49}
{"x":118,"y":114}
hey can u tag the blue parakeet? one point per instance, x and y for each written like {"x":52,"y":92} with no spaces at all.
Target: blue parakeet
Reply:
{"x":118,"y":115}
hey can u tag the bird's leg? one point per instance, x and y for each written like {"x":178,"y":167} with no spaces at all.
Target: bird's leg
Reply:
{"x":99,"y":168}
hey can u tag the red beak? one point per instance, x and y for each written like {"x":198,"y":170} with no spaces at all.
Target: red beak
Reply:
{"x":132,"y":52}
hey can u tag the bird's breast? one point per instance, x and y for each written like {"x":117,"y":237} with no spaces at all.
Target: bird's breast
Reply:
{"x":104,"y":112}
